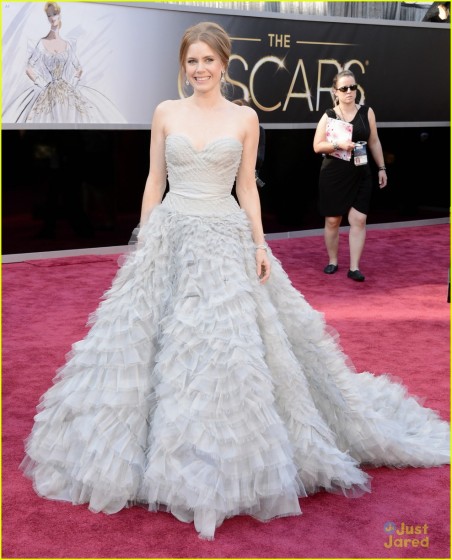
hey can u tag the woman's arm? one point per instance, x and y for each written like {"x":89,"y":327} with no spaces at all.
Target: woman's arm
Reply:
{"x":74,"y":60}
{"x":247,"y":194}
{"x":156,"y":180}
{"x":322,"y":146}
{"x":32,"y":62}
{"x":376,"y":149}
{"x":31,"y":73}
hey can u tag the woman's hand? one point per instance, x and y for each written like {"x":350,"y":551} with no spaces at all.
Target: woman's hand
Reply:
{"x":382,"y":178}
{"x":40,"y":82}
{"x":263,"y":267}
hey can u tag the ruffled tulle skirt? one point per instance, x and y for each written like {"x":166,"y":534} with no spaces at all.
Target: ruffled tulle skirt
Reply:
{"x":202,"y":392}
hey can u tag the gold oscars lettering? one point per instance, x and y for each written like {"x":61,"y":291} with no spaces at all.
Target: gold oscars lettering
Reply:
{"x":267,"y":68}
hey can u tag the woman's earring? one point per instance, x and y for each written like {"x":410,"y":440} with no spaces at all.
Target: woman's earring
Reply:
{"x":222,"y":75}
{"x":187,"y":83}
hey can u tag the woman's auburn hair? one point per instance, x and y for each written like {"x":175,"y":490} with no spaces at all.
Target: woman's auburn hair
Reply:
{"x":210,"y":33}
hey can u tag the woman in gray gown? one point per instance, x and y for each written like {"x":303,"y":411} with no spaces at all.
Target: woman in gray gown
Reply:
{"x":207,"y":385}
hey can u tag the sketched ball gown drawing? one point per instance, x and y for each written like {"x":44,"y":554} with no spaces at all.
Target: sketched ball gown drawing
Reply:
{"x":57,"y":96}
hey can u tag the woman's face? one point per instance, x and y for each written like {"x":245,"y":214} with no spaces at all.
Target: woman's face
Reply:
{"x":53,"y":17}
{"x":203,"y":66}
{"x":348,"y":95}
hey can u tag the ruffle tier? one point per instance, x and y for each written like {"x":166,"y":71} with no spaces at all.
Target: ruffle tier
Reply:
{"x":202,"y":392}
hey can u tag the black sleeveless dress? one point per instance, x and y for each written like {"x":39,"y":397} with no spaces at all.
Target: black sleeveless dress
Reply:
{"x":342,"y":184}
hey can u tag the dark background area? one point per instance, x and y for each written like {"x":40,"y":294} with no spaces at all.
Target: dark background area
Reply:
{"x":70,"y":189}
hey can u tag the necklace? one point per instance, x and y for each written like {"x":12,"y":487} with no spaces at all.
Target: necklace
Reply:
{"x":342,"y":114}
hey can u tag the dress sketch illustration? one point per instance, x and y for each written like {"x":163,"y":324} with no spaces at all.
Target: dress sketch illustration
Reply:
{"x":57,"y":95}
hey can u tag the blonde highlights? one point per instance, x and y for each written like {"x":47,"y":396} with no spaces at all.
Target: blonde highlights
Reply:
{"x":56,"y":9}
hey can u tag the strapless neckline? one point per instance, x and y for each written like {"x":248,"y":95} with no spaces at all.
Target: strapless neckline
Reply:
{"x":209,"y":144}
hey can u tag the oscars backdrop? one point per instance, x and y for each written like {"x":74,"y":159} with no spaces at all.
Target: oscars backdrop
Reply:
{"x":128,"y":56}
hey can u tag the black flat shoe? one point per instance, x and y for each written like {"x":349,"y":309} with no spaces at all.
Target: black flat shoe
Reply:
{"x":356,"y":275}
{"x":330,"y":269}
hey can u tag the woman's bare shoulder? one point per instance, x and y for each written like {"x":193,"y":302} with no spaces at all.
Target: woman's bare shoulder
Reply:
{"x":167,"y":108}
{"x":245,"y":115}
{"x":169,"y":111}
{"x":169,"y":105}
{"x":241,"y":109}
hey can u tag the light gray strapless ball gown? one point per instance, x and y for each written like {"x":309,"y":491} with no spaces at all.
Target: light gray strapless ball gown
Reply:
{"x":201,"y":392}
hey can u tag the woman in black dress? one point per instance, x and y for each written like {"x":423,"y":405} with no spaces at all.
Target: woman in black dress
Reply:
{"x":345,"y":188}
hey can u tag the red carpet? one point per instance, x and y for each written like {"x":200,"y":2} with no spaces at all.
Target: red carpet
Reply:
{"x":396,"y":321}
